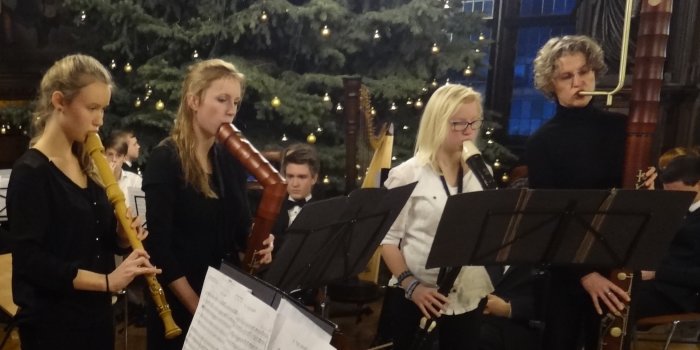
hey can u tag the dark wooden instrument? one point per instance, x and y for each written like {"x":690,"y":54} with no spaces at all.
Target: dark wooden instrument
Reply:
{"x":274,"y":189}
{"x":650,"y":55}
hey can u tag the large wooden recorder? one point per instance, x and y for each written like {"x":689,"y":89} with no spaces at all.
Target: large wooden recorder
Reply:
{"x":93,"y":146}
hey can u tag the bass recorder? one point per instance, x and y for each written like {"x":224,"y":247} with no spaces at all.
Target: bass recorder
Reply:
{"x":274,"y":189}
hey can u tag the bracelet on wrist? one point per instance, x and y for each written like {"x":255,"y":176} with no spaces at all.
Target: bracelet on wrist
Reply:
{"x":107,"y":283}
{"x":411,"y":288}
{"x":401,"y":277}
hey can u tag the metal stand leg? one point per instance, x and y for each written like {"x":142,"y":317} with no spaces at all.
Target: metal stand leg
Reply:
{"x":670,"y":334}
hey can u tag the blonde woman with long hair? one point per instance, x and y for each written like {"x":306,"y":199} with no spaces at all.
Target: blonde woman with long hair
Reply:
{"x":196,"y":196}
{"x":62,"y":226}
{"x":452,"y":115}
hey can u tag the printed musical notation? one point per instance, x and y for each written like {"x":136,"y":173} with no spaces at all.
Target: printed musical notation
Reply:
{"x":229,"y":316}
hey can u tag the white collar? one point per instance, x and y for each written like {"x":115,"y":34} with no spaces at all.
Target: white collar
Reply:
{"x":694,"y":206}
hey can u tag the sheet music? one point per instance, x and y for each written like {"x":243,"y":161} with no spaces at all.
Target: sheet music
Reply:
{"x":136,"y":200}
{"x":230,"y":317}
{"x":293,"y":330}
{"x":4,"y":180}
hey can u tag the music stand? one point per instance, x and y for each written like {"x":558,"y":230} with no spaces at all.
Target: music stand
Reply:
{"x":272,"y":296}
{"x":616,"y":228}
{"x":333,"y":239}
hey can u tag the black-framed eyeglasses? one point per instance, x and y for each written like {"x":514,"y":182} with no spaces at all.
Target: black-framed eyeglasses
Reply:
{"x":462,"y":125}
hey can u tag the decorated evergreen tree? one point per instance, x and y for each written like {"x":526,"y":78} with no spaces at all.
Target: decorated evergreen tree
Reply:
{"x":294,"y":54}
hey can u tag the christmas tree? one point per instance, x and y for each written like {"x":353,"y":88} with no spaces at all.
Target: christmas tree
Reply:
{"x":294,"y":55}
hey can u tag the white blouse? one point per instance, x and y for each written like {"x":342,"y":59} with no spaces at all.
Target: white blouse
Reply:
{"x":414,"y":231}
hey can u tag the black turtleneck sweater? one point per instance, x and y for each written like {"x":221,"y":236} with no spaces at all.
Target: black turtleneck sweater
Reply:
{"x":579,"y":148}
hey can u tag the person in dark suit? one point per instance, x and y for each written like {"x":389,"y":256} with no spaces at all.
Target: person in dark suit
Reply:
{"x":300,"y":166}
{"x":675,"y":286}
{"x":512,"y":319}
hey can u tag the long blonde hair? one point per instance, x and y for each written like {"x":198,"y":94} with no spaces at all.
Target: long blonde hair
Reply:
{"x":199,"y":78}
{"x":68,"y":76}
{"x":434,"y":124}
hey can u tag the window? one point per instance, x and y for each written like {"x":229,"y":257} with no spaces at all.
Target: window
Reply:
{"x":536,"y":21}
{"x":483,"y":6}
{"x":529,"y":108}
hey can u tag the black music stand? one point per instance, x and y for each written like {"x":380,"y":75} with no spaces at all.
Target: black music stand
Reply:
{"x":616,"y":228}
{"x":333,"y":239}
{"x":272,"y":296}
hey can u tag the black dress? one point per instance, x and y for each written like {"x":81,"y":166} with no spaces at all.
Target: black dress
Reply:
{"x":56,"y":228}
{"x":579,"y":148}
{"x":189,"y":232}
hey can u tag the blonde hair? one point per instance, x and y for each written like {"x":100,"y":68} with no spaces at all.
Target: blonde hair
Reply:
{"x":199,"y":78}
{"x":546,"y":61}
{"x":68,"y":76}
{"x":434,"y":124}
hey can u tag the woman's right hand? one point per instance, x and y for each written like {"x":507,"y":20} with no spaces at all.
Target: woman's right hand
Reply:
{"x":135,"y":264}
{"x":429,"y":300}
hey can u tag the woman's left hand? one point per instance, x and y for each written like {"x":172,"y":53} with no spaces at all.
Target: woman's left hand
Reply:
{"x":136,"y":225}
{"x":265,"y":255}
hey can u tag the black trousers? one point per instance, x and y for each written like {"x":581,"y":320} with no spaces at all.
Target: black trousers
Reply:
{"x":98,"y":337}
{"x":570,"y":318}
{"x":454,"y":332}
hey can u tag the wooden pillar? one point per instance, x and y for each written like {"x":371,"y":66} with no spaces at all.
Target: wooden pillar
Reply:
{"x":351,"y":112}
{"x":650,"y":56}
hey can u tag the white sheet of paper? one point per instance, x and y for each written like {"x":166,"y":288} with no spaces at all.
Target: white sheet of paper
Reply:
{"x":4,"y":180}
{"x":295,"y":331}
{"x":136,"y":200}
{"x":229,"y":317}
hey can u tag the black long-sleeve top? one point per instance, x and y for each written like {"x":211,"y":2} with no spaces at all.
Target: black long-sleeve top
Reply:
{"x":187,"y":231}
{"x":678,"y":276}
{"x":56,"y":228}
{"x":579,"y":148}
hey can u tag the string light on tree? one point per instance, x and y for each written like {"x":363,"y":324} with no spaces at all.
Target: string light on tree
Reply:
{"x":505,"y":178}
{"x":409,"y":102}
{"x":137,"y":103}
{"x":339,"y":107}
{"x":263,"y":16}
{"x":82,"y":17}
{"x":497,"y":164}
{"x":326,"y":180}
{"x":372,"y":111}
{"x":128,"y":68}
{"x":284,"y":137}
{"x":393,"y":107}
{"x":434,"y":83}
{"x":160,"y":105}
{"x":418,"y":104}
{"x":481,"y":36}
{"x":477,"y":50}
{"x":195,"y":54}
{"x":447,"y":4}
{"x":113,"y":64}
{"x":490,"y":142}
{"x":326,"y":97}
{"x":311,"y":138}
{"x":376,"y":35}
{"x":325,"y":32}
{"x":435,"y":49}
{"x":319,"y":129}
{"x":276,"y":102}
{"x":393,"y":158}
{"x":405,"y":127}
{"x":468,"y":71}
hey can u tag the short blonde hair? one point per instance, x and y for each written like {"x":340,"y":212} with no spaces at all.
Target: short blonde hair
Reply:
{"x":546,"y":61}
{"x":199,"y":78}
{"x":434,"y":124}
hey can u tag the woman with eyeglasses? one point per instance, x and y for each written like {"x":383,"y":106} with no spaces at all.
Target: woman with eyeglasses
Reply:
{"x":452,"y":115}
